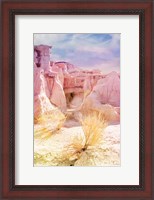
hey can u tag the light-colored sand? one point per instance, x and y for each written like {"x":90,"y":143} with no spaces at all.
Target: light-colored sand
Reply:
{"x":63,"y":148}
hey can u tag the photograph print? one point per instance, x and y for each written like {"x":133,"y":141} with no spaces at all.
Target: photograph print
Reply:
{"x":76,"y":99}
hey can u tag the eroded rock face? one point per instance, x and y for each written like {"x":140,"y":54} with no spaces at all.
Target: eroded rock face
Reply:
{"x":108,"y":89}
{"x":77,"y":100}
{"x":81,"y":80}
{"x":65,"y":66}
{"x":57,"y":95}
{"x":66,"y":86}
{"x":42,"y":56}
{"x":40,"y":87}
{"x":105,"y":96}
{"x":48,"y":80}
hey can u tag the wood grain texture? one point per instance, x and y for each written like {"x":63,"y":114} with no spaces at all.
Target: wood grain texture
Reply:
{"x":12,"y":8}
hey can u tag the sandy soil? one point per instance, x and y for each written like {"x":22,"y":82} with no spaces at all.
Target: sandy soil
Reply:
{"x":62,"y":148}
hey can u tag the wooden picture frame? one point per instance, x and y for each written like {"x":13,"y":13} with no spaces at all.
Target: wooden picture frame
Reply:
{"x":12,"y":8}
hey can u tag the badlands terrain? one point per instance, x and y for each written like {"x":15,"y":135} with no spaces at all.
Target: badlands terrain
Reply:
{"x":76,"y":114}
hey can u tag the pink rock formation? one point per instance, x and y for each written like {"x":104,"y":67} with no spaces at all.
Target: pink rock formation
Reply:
{"x":41,"y":98}
{"x":65,"y":66}
{"x":40,"y":86}
{"x":81,"y":80}
{"x":108,"y":89}
{"x":59,"y":80}
{"x":47,"y":80}
{"x":105,"y":96}
{"x":57,"y":95}
{"x":42,"y":56}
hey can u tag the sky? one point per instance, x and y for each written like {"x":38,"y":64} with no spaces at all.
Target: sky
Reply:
{"x":88,"y":51}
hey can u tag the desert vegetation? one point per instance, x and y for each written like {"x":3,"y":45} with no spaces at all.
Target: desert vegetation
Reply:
{"x":93,"y":125}
{"x":81,"y":146}
{"x":49,"y":123}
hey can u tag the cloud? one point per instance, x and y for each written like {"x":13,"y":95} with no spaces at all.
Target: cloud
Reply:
{"x":84,"y":50}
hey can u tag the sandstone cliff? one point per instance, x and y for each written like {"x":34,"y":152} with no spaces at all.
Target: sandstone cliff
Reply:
{"x":68,"y":87}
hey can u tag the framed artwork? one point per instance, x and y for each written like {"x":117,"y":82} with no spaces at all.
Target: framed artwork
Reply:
{"x":77,"y":99}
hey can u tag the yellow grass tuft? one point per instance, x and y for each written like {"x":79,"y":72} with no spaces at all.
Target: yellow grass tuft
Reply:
{"x":93,"y":125}
{"x":48,"y":123}
{"x":108,"y":112}
{"x":74,"y":149}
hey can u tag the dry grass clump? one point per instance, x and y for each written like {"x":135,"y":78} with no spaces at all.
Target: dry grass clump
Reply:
{"x":48,"y":123}
{"x":53,"y":115}
{"x":75,"y":148}
{"x":107,"y":111}
{"x":93,"y":125}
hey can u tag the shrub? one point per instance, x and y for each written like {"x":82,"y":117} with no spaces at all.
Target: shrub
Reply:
{"x":49,"y":123}
{"x":93,"y":125}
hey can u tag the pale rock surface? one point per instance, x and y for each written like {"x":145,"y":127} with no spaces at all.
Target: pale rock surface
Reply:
{"x":40,"y":90}
{"x":59,"y":148}
{"x":77,"y":100}
{"x":108,"y":89}
{"x":105,"y":97}
{"x":57,"y":95}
